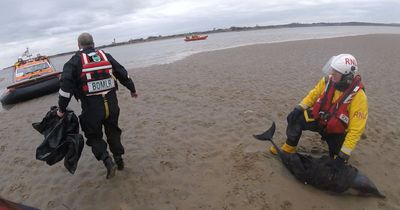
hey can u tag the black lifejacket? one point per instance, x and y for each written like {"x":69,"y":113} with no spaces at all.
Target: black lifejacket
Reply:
{"x":97,"y":74}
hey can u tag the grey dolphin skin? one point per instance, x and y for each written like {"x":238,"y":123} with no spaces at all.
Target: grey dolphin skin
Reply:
{"x":320,"y":173}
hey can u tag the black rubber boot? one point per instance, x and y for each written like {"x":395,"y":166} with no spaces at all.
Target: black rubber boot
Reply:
{"x":120,"y":162}
{"x":111,"y":168}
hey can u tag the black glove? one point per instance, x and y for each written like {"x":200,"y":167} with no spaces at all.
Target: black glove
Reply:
{"x":294,"y":115}
{"x":339,"y":163}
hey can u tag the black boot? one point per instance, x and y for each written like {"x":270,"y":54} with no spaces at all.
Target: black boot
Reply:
{"x":111,"y":168}
{"x":120,"y":162}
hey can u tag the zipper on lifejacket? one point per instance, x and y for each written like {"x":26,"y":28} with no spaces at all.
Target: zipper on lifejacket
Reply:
{"x":106,"y":109}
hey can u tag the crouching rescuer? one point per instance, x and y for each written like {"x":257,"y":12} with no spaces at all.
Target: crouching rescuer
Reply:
{"x":90,"y":75}
{"x":337,"y":108}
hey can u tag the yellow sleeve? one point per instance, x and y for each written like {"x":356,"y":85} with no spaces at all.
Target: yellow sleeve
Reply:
{"x":358,"y":115}
{"x":313,"y":95}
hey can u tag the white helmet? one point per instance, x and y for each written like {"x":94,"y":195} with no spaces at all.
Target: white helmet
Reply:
{"x":343,"y":63}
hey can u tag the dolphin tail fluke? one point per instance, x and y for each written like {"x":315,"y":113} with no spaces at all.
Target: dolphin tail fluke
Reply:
{"x":267,"y":135}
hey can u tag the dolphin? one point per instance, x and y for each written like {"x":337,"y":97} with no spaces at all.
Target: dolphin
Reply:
{"x":303,"y":166}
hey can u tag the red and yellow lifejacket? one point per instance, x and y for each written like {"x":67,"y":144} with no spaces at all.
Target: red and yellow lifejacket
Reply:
{"x":97,"y":74}
{"x":334,"y":116}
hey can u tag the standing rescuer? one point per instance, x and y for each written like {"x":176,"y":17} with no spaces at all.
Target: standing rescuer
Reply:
{"x":337,"y":108}
{"x":90,"y":75}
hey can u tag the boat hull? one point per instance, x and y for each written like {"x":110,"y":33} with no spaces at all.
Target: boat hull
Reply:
{"x":23,"y":93}
{"x":196,"y":38}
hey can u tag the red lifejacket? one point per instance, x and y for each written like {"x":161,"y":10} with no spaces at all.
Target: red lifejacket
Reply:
{"x":334,"y":116}
{"x":96,"y":76}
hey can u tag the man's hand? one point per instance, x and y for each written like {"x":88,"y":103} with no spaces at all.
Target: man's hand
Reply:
{"x":338,"y":163}
{"x":60,"y":114}
{"x":343,"y":156}
{"x":134,"y":95}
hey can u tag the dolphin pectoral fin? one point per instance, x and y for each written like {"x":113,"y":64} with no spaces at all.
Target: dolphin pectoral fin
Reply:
{"x":365,"y":186}
{"x":267,"y":135}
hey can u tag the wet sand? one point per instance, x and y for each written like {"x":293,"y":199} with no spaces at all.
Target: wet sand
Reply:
{"x":188,"y":136}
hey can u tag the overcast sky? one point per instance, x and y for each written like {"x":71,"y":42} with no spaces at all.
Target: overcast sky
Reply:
{"x":52,"y":26}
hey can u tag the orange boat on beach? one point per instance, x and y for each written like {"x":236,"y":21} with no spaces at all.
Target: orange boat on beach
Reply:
{"x":195,"y":38}
{"x":33,"y":77}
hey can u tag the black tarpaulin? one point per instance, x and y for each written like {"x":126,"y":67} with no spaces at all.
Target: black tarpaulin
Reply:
{"x":61,"y":139}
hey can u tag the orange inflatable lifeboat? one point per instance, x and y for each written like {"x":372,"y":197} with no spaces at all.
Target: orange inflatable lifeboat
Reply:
{"x":195,"y":38}
{"x":33,"y":77}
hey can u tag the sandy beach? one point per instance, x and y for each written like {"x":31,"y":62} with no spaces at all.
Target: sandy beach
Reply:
{"x":188,"y":137}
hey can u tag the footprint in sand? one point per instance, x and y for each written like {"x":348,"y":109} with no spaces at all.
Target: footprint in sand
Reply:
{"x":3,"y":148}
{"x":286,"y":205}
{"x":169,"y":165}
{"x":19,"y":160}
{"x":20,"y":187}
{"x":363,"y":136}
{"x":377,"y":130}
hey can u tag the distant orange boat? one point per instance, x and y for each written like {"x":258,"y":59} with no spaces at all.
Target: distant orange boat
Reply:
{"x":195,"y":38}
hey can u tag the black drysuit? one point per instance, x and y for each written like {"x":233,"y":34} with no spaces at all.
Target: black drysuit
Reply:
{"x":97,"y":110}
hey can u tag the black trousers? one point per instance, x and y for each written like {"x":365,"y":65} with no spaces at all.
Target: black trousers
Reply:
{"x":294,"y":131}
{"x":92,"y":120}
